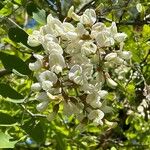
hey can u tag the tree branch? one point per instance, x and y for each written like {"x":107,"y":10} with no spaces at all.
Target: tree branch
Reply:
{"x":31,"y":114}
{"x":86,"y":6}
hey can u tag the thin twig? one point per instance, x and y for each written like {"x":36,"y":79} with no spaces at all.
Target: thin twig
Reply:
{"x":31,"y":114}
{"x":124,"y":11}
{"x":86,"y":6}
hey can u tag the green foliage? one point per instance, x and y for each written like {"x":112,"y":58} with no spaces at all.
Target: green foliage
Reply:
{"x":40,"y":16}
{"x":5,"y":141}
{"x":19,"y":119}
{"x":7,"y":91}
{"x":10,"y":120}
{"x":35,"y":130}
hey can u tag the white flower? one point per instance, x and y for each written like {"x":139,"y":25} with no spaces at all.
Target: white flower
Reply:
{"x":96,"y":116}
{"x":125,"y":55}
{"x":88,"y":17}
{"x":88,"y":48}
{"x":75,"y":74}
{"x":110,"y":56}
{"x":94,"y":100}
{"x":104,"y":39}
{"x":73,"y":48}
{"x":33,"y":39}
{"x":38,"y":64}
{"x":36,"y":87}
{"x":54,"y":26}
{"x":70,"y":108}
{"x":111,"y":83}
{"x":72,"y":14}
{"x":42,"y":96}
{"x":70,"y":11}
{"x":87,"y":70}
{"x":69,"y":31}
{"x":46,"y":85}
{"x":80,"y":53}
{"x":48,"y":75}
{"x":102,"y":93}
{"x":42,"y":106}
{"x":51,"y":46}
{"x":120,"y":37}
{"x":80,"y":29}
{"x":97,"y":121}
{"x":56,"y":62}
{"x":113,"y":29}
{"x":96,"y":28}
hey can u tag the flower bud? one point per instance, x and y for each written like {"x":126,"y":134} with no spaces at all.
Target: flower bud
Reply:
{"x":125,"y":55}
{"x":42,"y":106}
{"x":36,"y":87}
{"x":120,"y":37}
{"x":110,"y":56}
{"x":70,"y":11}
{"x":111,"y":83}
{"x":88,"y":17}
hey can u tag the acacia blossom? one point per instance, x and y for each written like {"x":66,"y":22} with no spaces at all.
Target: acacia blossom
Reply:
{"x":78,"y":63}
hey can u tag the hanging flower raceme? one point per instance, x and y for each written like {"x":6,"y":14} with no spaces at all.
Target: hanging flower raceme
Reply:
{"x":78,"y":62}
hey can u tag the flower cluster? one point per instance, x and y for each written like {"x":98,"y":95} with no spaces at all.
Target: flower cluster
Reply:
{"x":79,"y":61}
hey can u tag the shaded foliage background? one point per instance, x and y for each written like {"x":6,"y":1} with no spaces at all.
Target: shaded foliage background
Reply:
{"x":22,"y":127}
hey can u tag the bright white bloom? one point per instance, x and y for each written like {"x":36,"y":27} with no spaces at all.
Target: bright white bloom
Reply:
{"x":88,"y":48}
{"x":96,"y":28}
{"x":80,"y":29}
{"x":113,"y":29}
{"x":56,"y":62}
{"x":104,"y":39}
{"x":72,"y":14}
{"x":73,"y":48}
{"x":38,"y":64}
{"x":52,"y":46}
{"x":111,"y":83}
{"x":54,"y":26}
{"x":111,"y":56}
{"x":75,"y":74}
{"x":47,"y":79}
{"x":97,"y":116}
{"x":125,"y":55}
{"x":42,"y":96}
{"x":78,"y":61}
{"x":88,"y":17}
{"x":42,"y":106}
{"x":33,"y":39}
{"x":120,"y":37}
{"x":94,"y":100}
{"x":36,"y":87}
{"x":70,"y":108}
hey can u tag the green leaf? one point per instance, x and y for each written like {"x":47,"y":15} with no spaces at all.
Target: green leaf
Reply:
{"x":5,"y":141}
{"x":6,"y":10}
{"x":129,"y":119}
{"x":6,"y":119}
{"x":18,"y":35}
{"x":31,"y":7}
{"x":1,"y":5}
{"x":7,"y":91}
{"x":11,"y":62}
{"x":34,"y":130}
{"x":40,"y":17}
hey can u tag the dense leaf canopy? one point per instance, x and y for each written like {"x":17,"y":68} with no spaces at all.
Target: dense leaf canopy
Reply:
{"x":127,"y":106}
